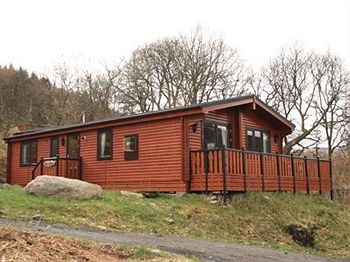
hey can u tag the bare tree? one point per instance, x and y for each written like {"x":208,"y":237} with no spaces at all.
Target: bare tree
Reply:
{"x":65,"y":81}
{"x":305,"y":88}
{"x":334,"y":97}
{"x":179,"y":71}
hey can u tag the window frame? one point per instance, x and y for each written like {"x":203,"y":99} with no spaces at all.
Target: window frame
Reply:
{"x":131,"y":155}
{"x":57,"y":145}
{"x":262,"y":132}
{"x":216,"y":124}
{"x":30,"y":142}
{"x":99,"y":132}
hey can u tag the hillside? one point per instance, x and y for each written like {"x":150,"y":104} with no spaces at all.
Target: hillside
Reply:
{"x":263,"y":219}
{"x":26,"y":98}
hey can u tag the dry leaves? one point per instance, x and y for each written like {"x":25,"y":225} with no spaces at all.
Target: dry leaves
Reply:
{"x":17,"y":245}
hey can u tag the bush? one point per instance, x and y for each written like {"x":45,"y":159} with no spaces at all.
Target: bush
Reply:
{"x":341,"y":176}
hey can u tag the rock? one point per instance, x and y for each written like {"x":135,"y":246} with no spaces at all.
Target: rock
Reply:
{"x":65,"y":187}
{"x":169,"y":220}
{"x":180,"y":194}
{"x":302,"y":235}
{"x":132,"y":194}
{"x":5,"y":185}
{"x":213,"y":197}
{"x":102,"y":227}
{"x":150,"y":194}
{"x":38,"y":217}
{"x":154,"y":251}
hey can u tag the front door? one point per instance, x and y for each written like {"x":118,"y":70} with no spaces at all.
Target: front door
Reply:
{"x":73,"y":154}
{"x":73,"y":146}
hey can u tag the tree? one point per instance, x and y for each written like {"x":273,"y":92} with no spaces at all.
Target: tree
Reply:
{"x":334,"y":95}
{"x":179,"y":71}
{"x":309,"y":89}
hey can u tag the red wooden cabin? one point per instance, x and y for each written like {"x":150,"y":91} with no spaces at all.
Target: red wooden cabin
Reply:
{"x":191,"y":148}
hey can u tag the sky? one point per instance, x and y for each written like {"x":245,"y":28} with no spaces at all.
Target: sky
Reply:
{"x":37,"y":35}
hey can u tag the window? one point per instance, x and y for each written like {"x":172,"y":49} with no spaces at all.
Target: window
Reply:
{"x":131,"y":151}
{"x":258,"y":140}
{"x":28,"y":153}
{"x":216,"y":135}
{"x":105,"y":144}
{"x":54,"y":146}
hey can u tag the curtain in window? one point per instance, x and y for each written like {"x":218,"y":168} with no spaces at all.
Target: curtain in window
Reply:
{"x":266,"y":143}
{"x":222,"y":136}
{"x":103,"y":139}
{"x":26,"y":153}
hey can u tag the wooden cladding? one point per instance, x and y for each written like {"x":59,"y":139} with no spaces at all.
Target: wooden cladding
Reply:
{"x":154,"y":153}
{"x":239,"y":170}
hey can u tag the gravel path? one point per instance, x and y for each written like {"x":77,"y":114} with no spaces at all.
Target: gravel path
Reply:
{"x":204,"y":250}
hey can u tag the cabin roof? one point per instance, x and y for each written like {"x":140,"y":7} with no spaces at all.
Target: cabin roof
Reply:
{"x":218,"y":104}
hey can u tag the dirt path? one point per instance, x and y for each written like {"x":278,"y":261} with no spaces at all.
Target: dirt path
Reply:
{"x":204,"y":250}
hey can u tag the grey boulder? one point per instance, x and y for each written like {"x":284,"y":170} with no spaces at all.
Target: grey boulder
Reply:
{"x":65,"y":187}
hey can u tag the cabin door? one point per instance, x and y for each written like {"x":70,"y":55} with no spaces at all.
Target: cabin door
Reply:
{"x":73,"y":146}
{"x":73,"y":154}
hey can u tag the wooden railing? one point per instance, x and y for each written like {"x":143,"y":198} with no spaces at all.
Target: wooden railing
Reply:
{"x":58,"y":166}
{"x":241,"y":170}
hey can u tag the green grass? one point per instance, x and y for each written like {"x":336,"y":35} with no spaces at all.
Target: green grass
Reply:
{"x":255,"y":218}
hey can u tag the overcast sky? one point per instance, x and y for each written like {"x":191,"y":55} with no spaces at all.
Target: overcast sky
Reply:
{"x":37,"y":34}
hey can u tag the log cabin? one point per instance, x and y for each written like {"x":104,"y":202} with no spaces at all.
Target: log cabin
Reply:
{"x":228,"y":145}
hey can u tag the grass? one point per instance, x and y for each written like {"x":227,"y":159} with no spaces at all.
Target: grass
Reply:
{"x":255,"y":218}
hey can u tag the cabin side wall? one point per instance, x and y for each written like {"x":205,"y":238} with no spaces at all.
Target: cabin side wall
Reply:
{"x":164,"y":147}
{"x":192,"y":141}
{"x":159,"y":166}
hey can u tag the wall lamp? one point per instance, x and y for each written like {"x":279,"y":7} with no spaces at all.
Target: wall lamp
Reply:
{"x":63,"y":141}
{"x":194,"y":127}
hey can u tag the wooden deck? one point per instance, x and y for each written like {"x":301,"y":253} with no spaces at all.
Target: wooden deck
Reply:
{"x":240,"y":170}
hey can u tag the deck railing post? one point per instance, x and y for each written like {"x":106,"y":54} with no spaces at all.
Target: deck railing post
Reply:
{"x":41,"y":166}
{"x":190,"y":174}
{"x":206,"y":167}
{"x":319,"y":174}
{"x":307,"y":175}
{"x":66,"y":163}
{"x":331,"y":178}
{"x":223,"y":150}
{"x":278,"y":171}
{"x":293,"y":172}
{"x":244,"y":169}
{"x":80,"y":168}
{"x":262,"y":171}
